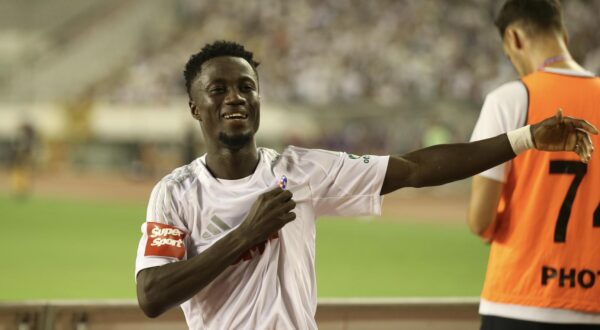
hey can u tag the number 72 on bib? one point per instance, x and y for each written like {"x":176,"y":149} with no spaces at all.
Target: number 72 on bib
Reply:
{"x":579,"y":170}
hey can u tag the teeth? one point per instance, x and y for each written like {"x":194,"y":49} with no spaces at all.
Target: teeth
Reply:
{"x":235,"y":116}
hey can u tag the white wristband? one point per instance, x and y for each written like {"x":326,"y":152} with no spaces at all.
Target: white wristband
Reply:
{"x":520,"y":139}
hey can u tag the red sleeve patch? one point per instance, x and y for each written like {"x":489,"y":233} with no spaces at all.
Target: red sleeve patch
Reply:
{"x":164,"y":241}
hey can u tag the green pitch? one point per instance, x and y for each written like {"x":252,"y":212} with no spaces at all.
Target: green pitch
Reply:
{"x":67,"y":249}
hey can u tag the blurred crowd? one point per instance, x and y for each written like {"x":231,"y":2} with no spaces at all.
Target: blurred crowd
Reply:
{"x":436,"y":58}
{"x":342,"y":51}
{"x":385,"y":76}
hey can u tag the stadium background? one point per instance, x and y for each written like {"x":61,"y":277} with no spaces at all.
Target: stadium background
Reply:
{"x":100,"y":84}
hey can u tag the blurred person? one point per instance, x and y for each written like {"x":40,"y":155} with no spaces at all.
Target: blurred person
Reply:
{"x":22,"y":161}
{"x":189,"y":147}
{"x":231,"y":236}
{"x":540,"y":211}
{"x":436,"y":133}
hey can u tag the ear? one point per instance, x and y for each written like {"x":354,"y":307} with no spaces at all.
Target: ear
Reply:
{"x":194,"y":110}
{"x":514,"y":38}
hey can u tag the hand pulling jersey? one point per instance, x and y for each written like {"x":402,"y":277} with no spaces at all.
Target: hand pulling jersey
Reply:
{"x":271,"y":286}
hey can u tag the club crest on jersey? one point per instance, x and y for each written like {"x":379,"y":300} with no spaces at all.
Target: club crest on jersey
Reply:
{"x":365,"y":158}
{"x":164,"y":241}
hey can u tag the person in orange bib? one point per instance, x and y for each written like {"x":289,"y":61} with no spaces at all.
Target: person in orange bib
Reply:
{"x":540,"y":211}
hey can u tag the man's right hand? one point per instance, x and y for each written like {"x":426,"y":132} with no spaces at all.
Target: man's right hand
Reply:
{"x":562,"y":133}
{"x":160,"y":288}
{"x":269,"y":213}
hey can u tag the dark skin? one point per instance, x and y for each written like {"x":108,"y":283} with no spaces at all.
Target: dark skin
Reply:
{"x":225,"y":100}
{"x":227,"y":85}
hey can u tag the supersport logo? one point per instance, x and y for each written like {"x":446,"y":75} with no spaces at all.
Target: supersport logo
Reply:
{"x":164,"y":241}
{"x":157,"y":231}
{"x":167,"y":241}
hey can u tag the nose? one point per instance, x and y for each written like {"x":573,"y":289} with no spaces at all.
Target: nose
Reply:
{"x":234,"y":97}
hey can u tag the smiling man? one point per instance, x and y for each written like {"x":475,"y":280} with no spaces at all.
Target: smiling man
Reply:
{"x":231,"y":236}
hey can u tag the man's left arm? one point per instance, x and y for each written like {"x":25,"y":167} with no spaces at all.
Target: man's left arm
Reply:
{"x":450,"y":162}
{"x":504,"y":109}
{"x":485,"y":196}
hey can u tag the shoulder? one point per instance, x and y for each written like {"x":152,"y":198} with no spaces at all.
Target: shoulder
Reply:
{"x":305,"y":161}
{"x":181,"y":178}
{"x":504,"y":109}
{"x":507,"y":103}
{"x":312,"y":154}
{"x":508,"y":91}
{"x":308,"y":157}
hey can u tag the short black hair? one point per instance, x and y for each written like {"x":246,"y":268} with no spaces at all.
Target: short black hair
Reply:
{"x":209,"y":51}
{"x":540,"y":15}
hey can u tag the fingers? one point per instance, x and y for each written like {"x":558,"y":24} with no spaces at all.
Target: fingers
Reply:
{"x":281,"y":200}
{"x":586,"y":126}
{"x":286,"y":211}
{"x":559,"y":115}
{"x":284,"y":196}
{"x":584,"y":154}
{"x":273,"y":192}
{"x":288,"y":206}
{"x":583,"y":143}
{"x":270,"y":212}
{"x":583,"y":146}
{"x":588,"y":141}
{"x":576,"y":122}
{"x":277,"y":194}
{"x":581,"y":124}
{"x":288,"y":217}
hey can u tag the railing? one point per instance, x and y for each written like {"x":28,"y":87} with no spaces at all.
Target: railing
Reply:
{"x":376,"y":313}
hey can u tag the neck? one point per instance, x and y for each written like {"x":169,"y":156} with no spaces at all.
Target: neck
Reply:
{"x":228,"y":164}
{"x":553,"y":54}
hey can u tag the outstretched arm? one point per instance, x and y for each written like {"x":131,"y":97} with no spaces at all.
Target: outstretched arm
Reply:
{"x":450,"y":162}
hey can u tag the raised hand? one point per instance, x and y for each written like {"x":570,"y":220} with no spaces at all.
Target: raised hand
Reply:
{"x":269,"y":213}
{"x":560,"y":133}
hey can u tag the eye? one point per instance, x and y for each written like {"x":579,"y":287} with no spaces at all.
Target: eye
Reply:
{"x":248,"y":87}
{"x":213,"y":90}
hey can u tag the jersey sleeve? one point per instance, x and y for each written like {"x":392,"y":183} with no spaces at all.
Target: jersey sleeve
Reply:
{"x":504,"y":109}
{"x":164,"y":233}
{"x":343,"y":184}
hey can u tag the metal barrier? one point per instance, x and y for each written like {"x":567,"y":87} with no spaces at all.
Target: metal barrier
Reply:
{"x":347,"y":314}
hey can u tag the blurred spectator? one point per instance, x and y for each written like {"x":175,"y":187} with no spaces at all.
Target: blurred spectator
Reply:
{"x":393,"y":53}
{"x":189,"y":147}
{"x":394,"y":62}
{"x":22,"y":161}
{"x":436,"y":133}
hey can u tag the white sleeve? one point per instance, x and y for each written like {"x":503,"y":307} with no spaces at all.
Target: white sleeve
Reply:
{"x":164,"y":234}
{"x":342,"y":184}
{"x":504,"y":109}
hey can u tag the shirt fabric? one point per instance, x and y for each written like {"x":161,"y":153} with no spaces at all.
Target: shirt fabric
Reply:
{"x":272,"y":286}
{"x":506,"y":109}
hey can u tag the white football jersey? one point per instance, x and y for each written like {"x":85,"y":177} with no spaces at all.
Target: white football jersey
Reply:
{"x":272,"y":286}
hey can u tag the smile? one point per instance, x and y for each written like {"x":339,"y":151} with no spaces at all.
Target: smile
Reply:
{"x":235,"y":115}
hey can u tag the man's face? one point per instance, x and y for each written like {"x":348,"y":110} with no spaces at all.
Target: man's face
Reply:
{"x":224,"y":98}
